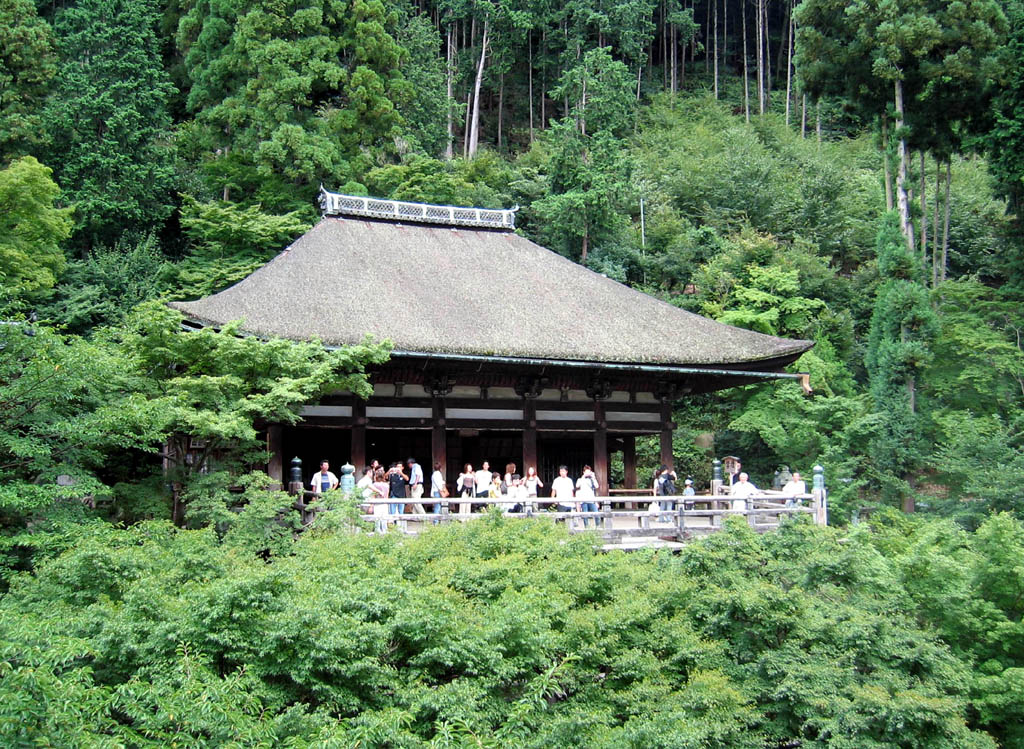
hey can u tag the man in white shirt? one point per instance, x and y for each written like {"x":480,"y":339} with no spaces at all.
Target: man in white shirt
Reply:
{"x":562,"y":490}
{"x":415,"y":484}
{"x":793,"y":488}
{"x":323,"y":480}
{"x":482,"y":482}
{"x":742,"y":490}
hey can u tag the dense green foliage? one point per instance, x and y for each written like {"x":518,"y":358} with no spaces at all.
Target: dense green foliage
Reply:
{"x":512,"y":634}
{"x":846,"y":172}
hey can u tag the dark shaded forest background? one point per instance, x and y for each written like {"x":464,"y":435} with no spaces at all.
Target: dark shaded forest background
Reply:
{"x":847,"y":172}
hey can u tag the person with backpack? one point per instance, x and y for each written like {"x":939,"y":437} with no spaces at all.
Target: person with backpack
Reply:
{"x":586,"y":488}
{"x":665,"y":486}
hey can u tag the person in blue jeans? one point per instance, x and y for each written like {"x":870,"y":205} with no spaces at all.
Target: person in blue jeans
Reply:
{"x":436,"y":485}
{"x":396,"y":484}
{"x":586,"y":489}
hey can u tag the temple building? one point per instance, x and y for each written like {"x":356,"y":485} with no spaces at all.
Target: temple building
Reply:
{"x":503,"y":350}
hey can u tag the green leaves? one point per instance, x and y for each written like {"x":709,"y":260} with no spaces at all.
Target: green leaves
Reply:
{"x":32,"y":229}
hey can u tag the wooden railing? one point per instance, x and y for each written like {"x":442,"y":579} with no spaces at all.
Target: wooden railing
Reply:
{"x":691,"y":516}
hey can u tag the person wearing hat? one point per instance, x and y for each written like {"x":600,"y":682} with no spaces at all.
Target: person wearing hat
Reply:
{"x":665,"y":486}
{"x":688,"y":492}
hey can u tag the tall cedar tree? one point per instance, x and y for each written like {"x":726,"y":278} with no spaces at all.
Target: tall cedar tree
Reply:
{"x":28,"y":62}
{"x":903,"y":327}
{"x":108,"y":120}
{"x":293,"y":94}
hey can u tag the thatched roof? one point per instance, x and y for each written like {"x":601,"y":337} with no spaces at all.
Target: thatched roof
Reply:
{"x":446,"y":290}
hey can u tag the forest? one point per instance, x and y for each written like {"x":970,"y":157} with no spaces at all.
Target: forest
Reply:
{"x":846,"y":172}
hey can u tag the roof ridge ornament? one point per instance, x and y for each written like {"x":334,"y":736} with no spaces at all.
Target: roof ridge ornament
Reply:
{"x":336,"y":204}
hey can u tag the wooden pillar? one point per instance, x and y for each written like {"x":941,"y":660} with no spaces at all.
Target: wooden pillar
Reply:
{"x":438,"y":437}
{"x":601,"y":447}
{"x":629,"y":461}
{"x":358,"y":435}
{"x":275,"y":463}
{"x":529,"y":434}
{"x":666,"y":433}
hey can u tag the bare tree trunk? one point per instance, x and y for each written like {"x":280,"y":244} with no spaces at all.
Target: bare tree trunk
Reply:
{"x":945,"y":220}
{"x":501,"y":105}
{"x":803,"y":116}
{"x":746,"y":74}
{"x":760,"y":57}
{"x":716,"y":48}
{"x":887,"y":164}
{"x":924,"y":215}
{"x":767,"y":55}
{"x":529,"y":47}
{"x":639,"y":78}
{"x":789,"y":62}
{"x":543,"y":82}
{"x":586,"y":241}
{"x":474,"y":131}
{"x":902,"y":200}
{"x":450,"y":75}
{"x":817,"y":120}
{"x":936,"y":260}
{"x":675,"y":47}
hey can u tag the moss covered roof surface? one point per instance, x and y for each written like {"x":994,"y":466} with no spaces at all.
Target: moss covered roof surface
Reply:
{"x":465,"y":291}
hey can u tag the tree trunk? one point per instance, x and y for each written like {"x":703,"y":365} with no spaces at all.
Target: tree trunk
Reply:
{"x":543,"y":82}
{"x":501,"y":105}
{"x":945,"y":221}
{"x":586,"y":242}
{"x":803,"y":116}
{"x":789,"y":62}
{"x":767,"y":55}
{"x":716,"y":48}
{"x":902,"y":200}
{"x":886,"y":162}
{"x":529,"y":62}
{"x":924,"y":216}
{"x":746,"y":74}
{"x":474,"y":131}
{"x":450,"y":74}
{"x":674,"y":47}
{"x":936,"y":260}
{"x":759,"y":31}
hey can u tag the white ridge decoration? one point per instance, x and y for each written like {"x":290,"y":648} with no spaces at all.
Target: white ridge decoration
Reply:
{"x":335,"y":204}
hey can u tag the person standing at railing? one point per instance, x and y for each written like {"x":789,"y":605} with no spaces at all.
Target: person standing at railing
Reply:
{"x":688,"y":492}
{"x":396,"y":488}
{"x":438,"y":488}
{"x":323,"y":480}
{"x":532,"y":483}
{"x":494,"y":491}
{"x":562,"y":490}
{"x":794,"y":487}
{"x":742,"y":491}
{"x":416,"y":484}
{"x":516,"y":494}
{"x":464,"y":486}
{"x":483,"y":481}
{"x":586,"y":489}
{"x":364,"y":488}
{"x":665,"y":486}
{"x":380,"y":489}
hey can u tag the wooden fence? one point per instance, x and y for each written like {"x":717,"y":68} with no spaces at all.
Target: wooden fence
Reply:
{"x":645,"y":525}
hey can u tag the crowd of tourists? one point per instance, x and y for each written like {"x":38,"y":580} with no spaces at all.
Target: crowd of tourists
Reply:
{"x":405,"y":485}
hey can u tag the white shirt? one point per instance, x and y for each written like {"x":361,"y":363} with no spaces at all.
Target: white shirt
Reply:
{"x":562,"y":488}
{"x":364,"y":485}
{"x":436,"y":482}
{"x":792,"y":488}
{"x":415,"y":474}
{"x":318,"y":478}
{"x":483,"y":480}
{"x":585,"y":486}
{"x":744,"y":490}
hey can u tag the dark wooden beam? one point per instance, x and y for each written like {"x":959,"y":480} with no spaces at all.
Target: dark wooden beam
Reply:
{"x":438,"y":442}
{"x":529,"y":434}
{"x":666,"y":433}
{"x":600,"y":446}
{"x":358,"y":435}
{"x":275,"y":464}
{"x":629,"y":461}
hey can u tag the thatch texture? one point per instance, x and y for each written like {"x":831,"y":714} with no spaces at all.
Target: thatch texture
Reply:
{"x":464,"y":291}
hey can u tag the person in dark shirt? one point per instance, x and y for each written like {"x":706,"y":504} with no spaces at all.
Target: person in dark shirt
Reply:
{"x":396,"y":484}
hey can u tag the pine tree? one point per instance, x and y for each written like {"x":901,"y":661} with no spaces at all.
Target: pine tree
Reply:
{"x":903,"y":327}
{"x":28,"y":62}
{"x":108,"y":120}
